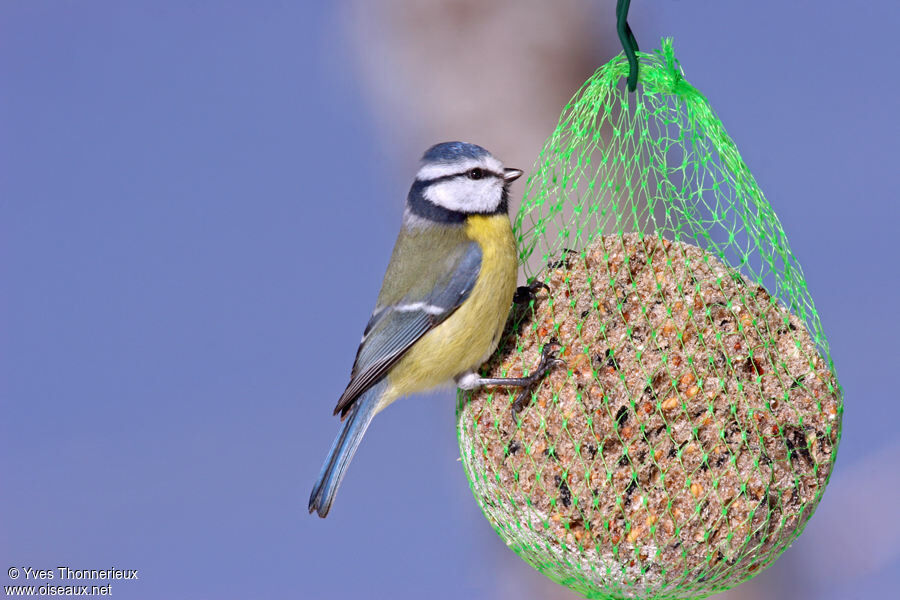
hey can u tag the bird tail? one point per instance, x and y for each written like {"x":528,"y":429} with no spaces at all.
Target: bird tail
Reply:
{"x":344,"y":447}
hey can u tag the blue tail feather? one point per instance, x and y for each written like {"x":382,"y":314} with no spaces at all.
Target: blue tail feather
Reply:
{"x":344,"y":447}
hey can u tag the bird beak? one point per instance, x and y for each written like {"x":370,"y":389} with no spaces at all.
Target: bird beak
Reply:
{"x":510,"y":175}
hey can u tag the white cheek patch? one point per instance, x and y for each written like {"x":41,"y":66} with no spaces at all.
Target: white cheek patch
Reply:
{"x":466,"y":195}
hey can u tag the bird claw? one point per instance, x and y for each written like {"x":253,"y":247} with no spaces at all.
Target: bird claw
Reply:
{"x":526,"y":293}
{"x":549,"y":359}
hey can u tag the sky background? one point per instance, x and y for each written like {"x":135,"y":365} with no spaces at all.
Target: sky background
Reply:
{"x":197,"y":203}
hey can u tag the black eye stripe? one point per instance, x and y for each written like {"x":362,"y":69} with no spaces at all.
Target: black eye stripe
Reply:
{"x":463,"y":174}
{"x":485,"y":173}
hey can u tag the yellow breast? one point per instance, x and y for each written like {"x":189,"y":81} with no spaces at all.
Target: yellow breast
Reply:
{"x":468,"y":337}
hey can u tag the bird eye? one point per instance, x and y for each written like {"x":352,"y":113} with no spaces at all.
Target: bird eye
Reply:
{"x":476,"y":174}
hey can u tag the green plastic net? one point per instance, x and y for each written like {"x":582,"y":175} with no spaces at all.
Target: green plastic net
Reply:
{"x":690,"y":435}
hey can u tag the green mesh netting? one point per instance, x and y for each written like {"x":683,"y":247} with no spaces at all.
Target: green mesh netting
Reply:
{"x":692,"y":431}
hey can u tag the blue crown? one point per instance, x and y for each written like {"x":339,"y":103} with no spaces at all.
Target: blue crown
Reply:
{"x":453,"y":151}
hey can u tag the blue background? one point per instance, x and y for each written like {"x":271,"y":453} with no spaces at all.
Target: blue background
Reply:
{"x":196,"y":209}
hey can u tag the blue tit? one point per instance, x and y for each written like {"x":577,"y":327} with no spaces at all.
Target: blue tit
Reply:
{"x":444,"y":300}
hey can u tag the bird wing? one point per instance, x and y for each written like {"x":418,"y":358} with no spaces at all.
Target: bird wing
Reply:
{"x":393,"y":329}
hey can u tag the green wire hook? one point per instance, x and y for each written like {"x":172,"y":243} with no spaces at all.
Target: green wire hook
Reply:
{"x":629,"y":44}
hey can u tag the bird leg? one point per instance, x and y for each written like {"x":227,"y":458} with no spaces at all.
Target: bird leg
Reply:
{"x":548,"y":361}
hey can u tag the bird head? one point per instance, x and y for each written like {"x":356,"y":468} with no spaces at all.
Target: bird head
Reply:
{"x":457,"y":179}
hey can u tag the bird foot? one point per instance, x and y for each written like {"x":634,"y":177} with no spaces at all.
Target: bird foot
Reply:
{"x":548,"y":361}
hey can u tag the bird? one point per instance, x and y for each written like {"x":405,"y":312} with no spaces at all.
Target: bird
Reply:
{"x":443,"y":303}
